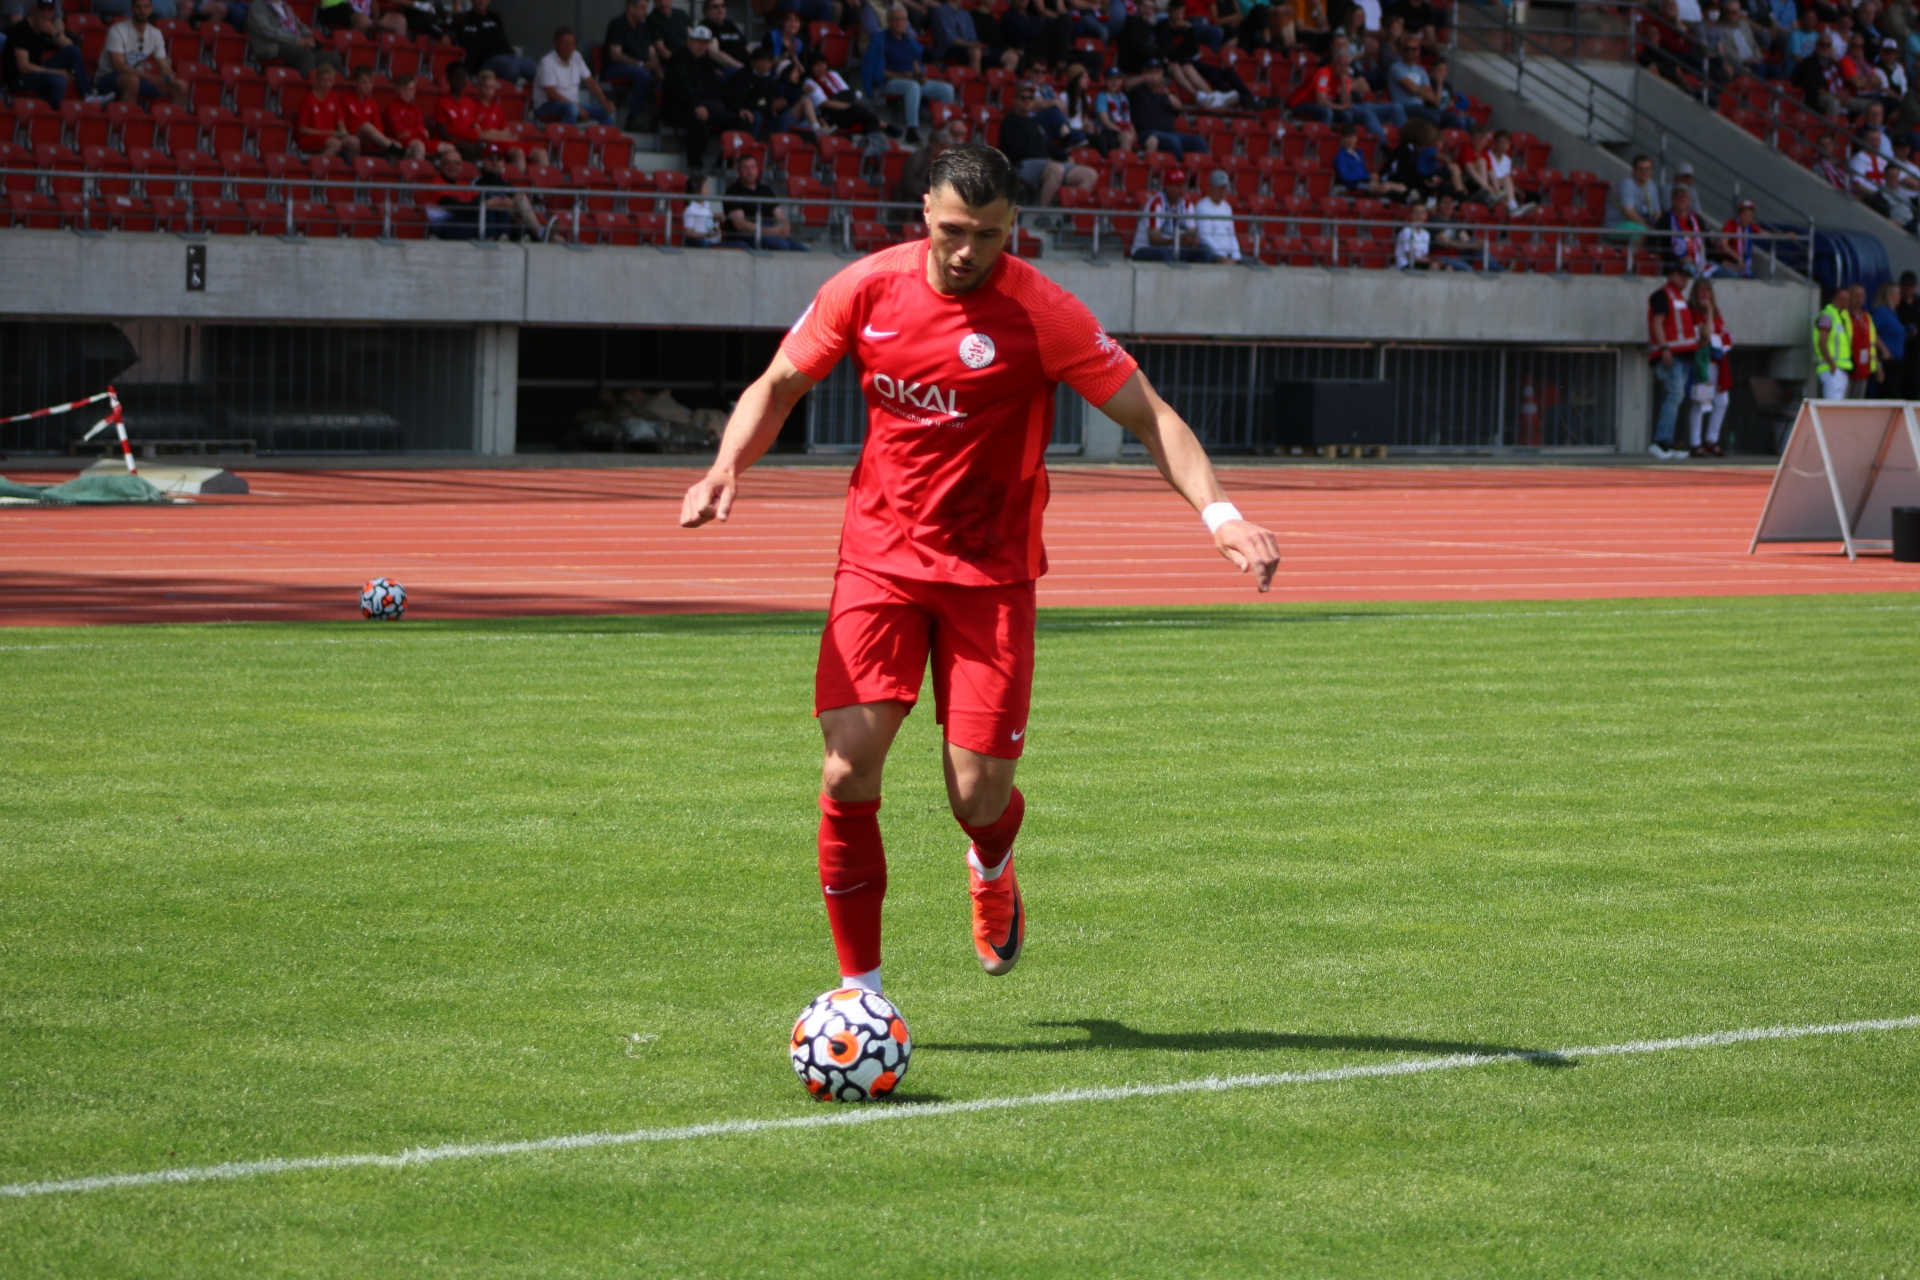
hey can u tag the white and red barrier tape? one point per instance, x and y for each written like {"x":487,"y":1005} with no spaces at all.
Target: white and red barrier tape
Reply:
{"x":113,"y":419}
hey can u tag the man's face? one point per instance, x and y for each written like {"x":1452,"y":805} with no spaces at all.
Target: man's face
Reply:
{"x":363,"y":85}
{"x":1682,"y":199}
{"x":716,"y":14}
{"x":487,"y":84}
{"x":450,"y":167}
{"x":791,"y":23}
{"x":564,"y":46}
{"x":897,"y":22}
{"x":1859,"y":292}
{"x":1409,"y":50}
{"x":1417,"y":213}
{"x":322,"y":80}
{"x":405,"y":91}
{"x":636,"y":11}
{"x":1023,"y":101}
{"x":1156,"y":77}
{"x":698,"y":48}
{"x":749,"y":167}
{"x":1443,"y":207}
{"x":1176,"y":15}
{"x":964,"y":242}
{"x":1643,"y":171}
{"x":141,"y":12}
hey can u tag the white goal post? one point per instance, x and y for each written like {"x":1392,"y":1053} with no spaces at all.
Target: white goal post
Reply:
{"x":1847,"y":464}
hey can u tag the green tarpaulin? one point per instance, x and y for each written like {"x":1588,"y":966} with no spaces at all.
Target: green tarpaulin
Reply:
{"x":88,"y":490}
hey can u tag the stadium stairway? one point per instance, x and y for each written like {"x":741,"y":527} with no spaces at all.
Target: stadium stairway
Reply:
{"x":1607,"y":112}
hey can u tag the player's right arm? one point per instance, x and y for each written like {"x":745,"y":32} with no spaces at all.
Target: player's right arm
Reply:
{"x":750,"y":432}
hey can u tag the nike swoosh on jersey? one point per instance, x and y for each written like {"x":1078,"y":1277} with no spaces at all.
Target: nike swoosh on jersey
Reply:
{"x":832,"y":892}
{"x":871,"y":332}
{"x":1012,"y":946}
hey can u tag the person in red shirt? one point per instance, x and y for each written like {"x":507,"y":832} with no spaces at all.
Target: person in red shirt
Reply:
{"x":960,"y":347}
{"x":319,"y":127}
{"x":456,"y":112}
{"x":406,"y":126}
{"x":360,"y":117}
{"x":1328,"y":95}
{"x":490,"y":125}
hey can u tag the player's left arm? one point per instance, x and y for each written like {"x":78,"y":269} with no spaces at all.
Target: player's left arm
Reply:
{"x":1177,"y":452}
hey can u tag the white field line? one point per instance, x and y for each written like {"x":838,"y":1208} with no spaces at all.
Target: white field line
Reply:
{"x":924,"y":1110}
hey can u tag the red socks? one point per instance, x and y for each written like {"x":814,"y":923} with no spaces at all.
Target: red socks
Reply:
{"x":853,"y":879}
{"x":993,"y":842}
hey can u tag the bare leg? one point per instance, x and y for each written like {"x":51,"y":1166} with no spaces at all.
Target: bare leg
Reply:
{"x":857,"y":741}
{"x":978,"y":787}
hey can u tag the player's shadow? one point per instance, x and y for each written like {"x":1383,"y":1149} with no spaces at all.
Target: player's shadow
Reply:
{"x":1103,"y":1033}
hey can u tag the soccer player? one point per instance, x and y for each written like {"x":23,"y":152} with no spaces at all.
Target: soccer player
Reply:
{"x":960,"y":347}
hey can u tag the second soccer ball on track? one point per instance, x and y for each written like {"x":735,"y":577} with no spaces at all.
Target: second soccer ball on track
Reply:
{"x":851,"y":1045}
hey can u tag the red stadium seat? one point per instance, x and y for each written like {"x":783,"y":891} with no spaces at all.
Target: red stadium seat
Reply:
{"x":29,"y":209}
{"x":264,"y":217}
{"x":171,"y":213}
{"x":51,"y":157}
{"x":358,"y":221}
{"x":126,"y":213}
{"x":409,"y":223}
{"x":615,"y":228}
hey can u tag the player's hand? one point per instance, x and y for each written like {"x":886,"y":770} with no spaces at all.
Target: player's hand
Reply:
{"x":708,"y":498}
{"x":1249,"y":547}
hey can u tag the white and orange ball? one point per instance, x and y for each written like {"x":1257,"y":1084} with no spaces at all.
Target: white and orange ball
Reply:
{"x":851,"y":1045}
{"x":383,"y":600}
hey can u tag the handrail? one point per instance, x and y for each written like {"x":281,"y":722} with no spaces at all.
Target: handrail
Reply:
{"x":1598,"y":92}
{"x":1768,"y":241}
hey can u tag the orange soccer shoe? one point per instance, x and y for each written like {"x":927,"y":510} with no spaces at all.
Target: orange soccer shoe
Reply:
{"x":999,"y":917}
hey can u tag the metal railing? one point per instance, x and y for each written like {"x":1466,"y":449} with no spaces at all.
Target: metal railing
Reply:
{"x":1584,"y":30}
{"x":849,"y":224}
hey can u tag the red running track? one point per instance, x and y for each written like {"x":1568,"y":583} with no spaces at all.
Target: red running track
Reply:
{"x":496,"y":543}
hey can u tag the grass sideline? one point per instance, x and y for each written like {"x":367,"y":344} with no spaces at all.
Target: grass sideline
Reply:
{"x":312,"y":889}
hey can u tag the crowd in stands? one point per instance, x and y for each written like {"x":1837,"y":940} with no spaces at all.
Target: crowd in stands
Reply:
{"x":1299,"y":133}
{"x":1830,"y":85}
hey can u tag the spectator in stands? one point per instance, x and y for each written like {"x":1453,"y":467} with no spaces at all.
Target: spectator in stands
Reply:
{"x":275,"y":31}
{"x":1412,"y":88}
{"x":319,"y":126}
{"x":729,"y":41}
{"x":558,"y":81}
{"x":1113,"y":114}
{"x":1214,"y":216}
{"x":1417,"y":165}
{"x":1327,"y":96}
{"x":350,"y":15}
{"x":1350,"y":172}
{"x":903,"y":75}
{"x":1154,"y":114}
{"x":834,"y":102}
{"x":1048,"y":109}
{"x":1499,"y":166}
{"x":1420,"y":19}
{"x":1027,"y":28}
{"x":1633,"y":206}
{"x":956,"y":40}
{"x":699,"y":225}
{"x":456,"y":214}
{"x":1906,"y":309}
{"x":1039,"y":155}
{"x":1892,"y":334}
{"x":1902,"y":184}
{"x":1868,"y":168}
{"x":1735,"y":249}
{"x":787,"y":42}
{"x":1712,"y":388}
{"x":1868,"y":350}
{"x":406,"y":126}
{"x":916,"y":175}
{"x":1822,"y":79}
{"x":483,"y":37}
{"x":791,"y":97}
{"x":1891,"y":74}
{"x":749,"y":215}
{"x":133,"y":62}
{"x":1166,"y":230}
{"x":1827,"y":164}
{"x":697,"y":99}
{"x":756,"y":88}
{"x":42,"y":59}
{"x":1413,"y":244}
{"x":1180,"y":45}
{"x":456,"y":114}
{"x":1801,"y":42}
{"x":1733,"y":46}
{"x":628,"y":58}
{"x":360,"y":117}
{"x":1451,"y":246}
{"x":1672,"y":339}
{"x":1680,"y":235}
{"x":492,"y":130}
{"x":231,"y":12}
{"x":669,"y":28}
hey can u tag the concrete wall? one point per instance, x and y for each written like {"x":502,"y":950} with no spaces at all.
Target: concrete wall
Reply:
{"x":55,"y":274}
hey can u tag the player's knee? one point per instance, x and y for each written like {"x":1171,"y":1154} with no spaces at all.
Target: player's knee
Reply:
{"x":847,"y":777}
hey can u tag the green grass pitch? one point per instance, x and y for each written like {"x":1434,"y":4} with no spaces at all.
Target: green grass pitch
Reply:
{"x":317,"y":889}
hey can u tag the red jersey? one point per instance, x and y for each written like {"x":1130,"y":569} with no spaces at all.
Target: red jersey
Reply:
{"x":356,"y":111}
{"x":488,"y":117}
{"x":319,"y":114}
{"x":1326,"y":80}
{"x":455,"y":115}
{"x":405,"y":123}
{"x":951,"y":483}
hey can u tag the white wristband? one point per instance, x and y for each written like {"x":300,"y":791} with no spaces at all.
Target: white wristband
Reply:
{"x":1218,"y":513}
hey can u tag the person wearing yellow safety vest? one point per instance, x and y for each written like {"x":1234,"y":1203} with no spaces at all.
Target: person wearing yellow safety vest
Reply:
{"x":1833,"y":344}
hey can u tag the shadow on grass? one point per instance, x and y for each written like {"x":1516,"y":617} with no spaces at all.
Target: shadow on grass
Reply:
{"x":1103,"y":1033}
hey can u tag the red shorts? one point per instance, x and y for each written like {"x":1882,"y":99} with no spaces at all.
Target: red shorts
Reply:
{"x":880,"y":632}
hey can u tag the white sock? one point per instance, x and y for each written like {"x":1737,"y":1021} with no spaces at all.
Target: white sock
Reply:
{"x":973,"y":860}
{"x":868,"y":981}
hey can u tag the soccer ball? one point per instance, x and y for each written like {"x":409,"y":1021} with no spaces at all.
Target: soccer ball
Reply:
{"x":851,"y":1045}
{"x":383,"y":598}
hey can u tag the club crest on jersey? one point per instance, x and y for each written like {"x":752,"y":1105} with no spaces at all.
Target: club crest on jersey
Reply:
{"x":1106,"y":346}
{"x":917,"y":395}
{"x":976,"y":351}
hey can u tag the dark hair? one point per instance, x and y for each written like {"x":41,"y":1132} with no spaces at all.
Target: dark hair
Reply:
{"x":457,"y":76}
{"x":363,"y":70}
{"x":562,"y":31}
{"x":978,"y":174}
{"x":1907,"y":277}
